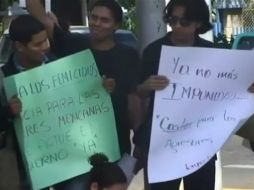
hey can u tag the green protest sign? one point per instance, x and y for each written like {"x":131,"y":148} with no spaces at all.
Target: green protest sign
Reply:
{"x":66,"y":117}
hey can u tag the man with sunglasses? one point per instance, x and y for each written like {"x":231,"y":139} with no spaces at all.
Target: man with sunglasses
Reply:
{"x":188,"y":19}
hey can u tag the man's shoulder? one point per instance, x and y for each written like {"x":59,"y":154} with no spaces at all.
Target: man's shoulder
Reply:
{"x":9,"y":68}
{"x":205,"y":43}
{"x":157,"y":43}
{"x":155,"y":46}
{"x":65,"y":43}
{"x":125,"y":52}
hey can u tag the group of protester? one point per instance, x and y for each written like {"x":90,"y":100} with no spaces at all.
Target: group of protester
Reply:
{"x":126,"y":77}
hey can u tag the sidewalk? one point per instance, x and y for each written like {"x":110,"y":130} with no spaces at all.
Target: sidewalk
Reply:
{"x":237,"y":168}
{"x":138,"y":183}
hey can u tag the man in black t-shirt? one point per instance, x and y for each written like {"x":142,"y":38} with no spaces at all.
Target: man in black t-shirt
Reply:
{"x":116,"y":62}
{"x":188,"y":19}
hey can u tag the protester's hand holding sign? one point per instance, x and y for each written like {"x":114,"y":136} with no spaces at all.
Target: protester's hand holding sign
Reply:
{"x":154,"y":82}
{"x":15,"y":106}
{"x":109,"y":84}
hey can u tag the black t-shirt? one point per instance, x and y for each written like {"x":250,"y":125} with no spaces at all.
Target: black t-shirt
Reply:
{"x":120,"y":63}
{"x":150,"y":65}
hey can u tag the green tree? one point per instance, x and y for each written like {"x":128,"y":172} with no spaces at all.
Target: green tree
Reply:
{"x":5,"y":3}
{"x":130,"y":22}
{"x":3,"y":7}
{"x":127,"y":4}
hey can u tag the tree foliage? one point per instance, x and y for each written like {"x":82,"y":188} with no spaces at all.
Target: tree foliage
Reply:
{"x":5,"y":3}
{"x":130,"y":22}
{"x":127,"y":4}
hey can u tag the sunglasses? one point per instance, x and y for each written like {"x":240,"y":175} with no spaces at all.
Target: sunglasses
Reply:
{"x":182,"y":21}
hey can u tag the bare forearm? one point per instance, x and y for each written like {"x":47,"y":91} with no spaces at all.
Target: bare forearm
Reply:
{"x":36,"y":9}
{"x":153,"y":83}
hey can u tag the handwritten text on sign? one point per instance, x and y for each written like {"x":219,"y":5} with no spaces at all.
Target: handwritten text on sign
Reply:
{"x":204,"y":104}
{"x":66,"y":117}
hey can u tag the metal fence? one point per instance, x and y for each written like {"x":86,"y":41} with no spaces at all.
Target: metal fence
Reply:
{"x":247,"y":25}
{"x":248,"y":17}
{"x":217,"y":29}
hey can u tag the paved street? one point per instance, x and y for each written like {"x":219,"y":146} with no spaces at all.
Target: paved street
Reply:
{"x":237,"y":167}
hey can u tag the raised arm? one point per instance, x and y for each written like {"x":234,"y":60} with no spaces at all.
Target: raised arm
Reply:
{"x":37,"y":10}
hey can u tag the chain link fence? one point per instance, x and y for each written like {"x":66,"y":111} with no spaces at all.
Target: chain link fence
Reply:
{"x":248,"y":17}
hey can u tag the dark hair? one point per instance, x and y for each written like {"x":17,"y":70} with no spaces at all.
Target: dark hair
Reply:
{"x":105,"y":173}
{"x":113,"y":6}
{"x":24,"y":27}
{"x":195,"y":10}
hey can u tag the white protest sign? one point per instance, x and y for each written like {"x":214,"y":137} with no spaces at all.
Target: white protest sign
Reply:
{"x":206,"y":102}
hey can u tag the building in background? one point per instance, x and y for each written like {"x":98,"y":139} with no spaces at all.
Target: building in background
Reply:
{"x":234,"y":17}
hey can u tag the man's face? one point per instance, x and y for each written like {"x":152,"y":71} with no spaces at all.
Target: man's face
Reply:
{"x":181,"y":26}
{"x":102,"y":23}
{"x":35,"y":50}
